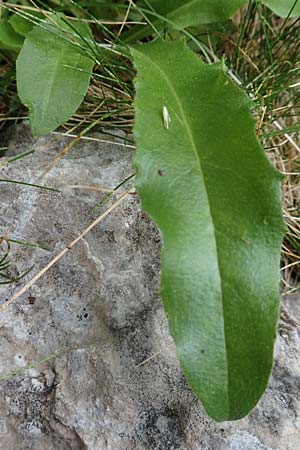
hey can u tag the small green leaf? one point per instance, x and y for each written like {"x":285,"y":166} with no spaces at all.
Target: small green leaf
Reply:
{"x":21,"y":25}
{"x":8,"y":37}
{"x":185,"y":13}
{"x":204,"y":179}
{"x":53,"y":73}
{"x":284,"y":8}
{"x":181,"y":14}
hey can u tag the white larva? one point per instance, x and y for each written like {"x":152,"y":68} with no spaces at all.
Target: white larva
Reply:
{"x":166,"y":117}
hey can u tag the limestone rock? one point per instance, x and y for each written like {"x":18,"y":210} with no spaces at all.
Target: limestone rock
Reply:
{"x":112,"y":380}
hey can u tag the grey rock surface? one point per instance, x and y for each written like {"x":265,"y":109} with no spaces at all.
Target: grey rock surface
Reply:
{"x":115,"y":383}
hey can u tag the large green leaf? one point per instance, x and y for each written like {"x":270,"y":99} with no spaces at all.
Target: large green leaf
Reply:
{"x":204,"y":179}
{"x":53,"y":73}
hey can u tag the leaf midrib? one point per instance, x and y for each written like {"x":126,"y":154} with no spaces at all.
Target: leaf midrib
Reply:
{"x":191,"y":138}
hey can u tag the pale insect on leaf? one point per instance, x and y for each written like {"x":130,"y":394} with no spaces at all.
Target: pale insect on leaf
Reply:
{"x":166,"y":117}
